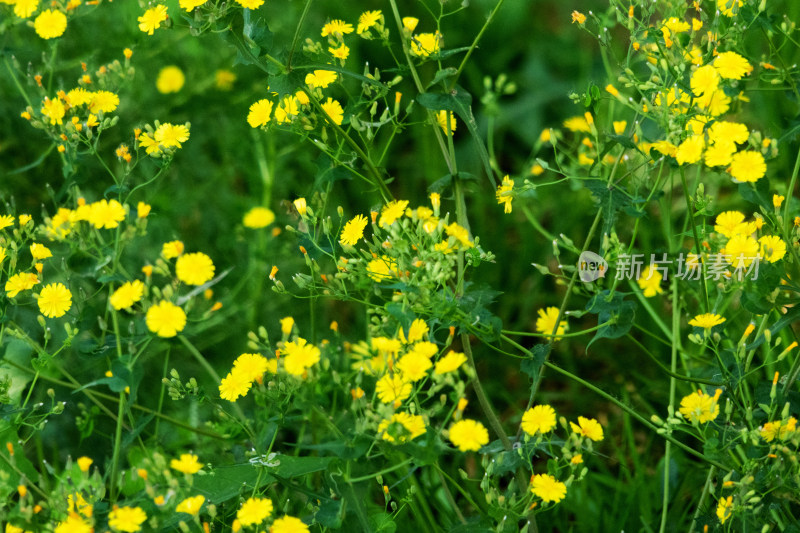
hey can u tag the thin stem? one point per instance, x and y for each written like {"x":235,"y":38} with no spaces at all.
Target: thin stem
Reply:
{"x":112,"y":481}
{"x":297,"y":33}
{"x":200,"y":359}
{"x":703,"y":496}
{"x":690,"y":210}
{"x":486,"y":406}
{"x":636,"y":415}
{"x":475,"y":42}
{"x":676,"y":323}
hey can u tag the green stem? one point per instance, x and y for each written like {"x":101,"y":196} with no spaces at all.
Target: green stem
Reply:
{"x":676,"y":322}
{"x":706,"y":489}
{"x":561,"y":311}
{"x":475,"y":42}
{"x":674,"y":375}
{"x":16,"y":81}
{"x":636,"y":415}
{"x":297,"y":33}
{"x":561,"y":336}
{"x":112,"y":481}
{"x":380,"y":472}
{"x":690,"y":210}
{"x":200,"y":359}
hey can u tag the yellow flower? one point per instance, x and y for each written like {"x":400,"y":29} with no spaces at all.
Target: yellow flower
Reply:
{"x":321,"y":78}
{"x":588,"y":427}
{"x":288,"y":524}
{"x":170,"y":79}
{"x":410,"y":23}
{"x":441,"y":120}
{"x":777,"y":200}
{"x":189,"y":5}
{"x":84,"y":463}
{"x":301,"y":206}
{"x":233,"y":385}
{"x":128,"y":519}
{"x":334,"y":110}
{"x":194,"y":269}
{"x":20,"y":282}
{"x":773,"y":248}
{"x":223,"y":79}
{"x":460,"y":233}
{"x":251,"y":365}
{"x":259,"y":113}
{"x":106,"y":214}
{"x":50,"y":24}
{"x":73,"y":524}
{"x":127,"y":294}
{"x":340,"y":52}
{"x":171,"y":135}
{"x":741,"y":250}
{"x":546,"y":322}
{"x":55,"y":300}
{"x":450,"y":363}
{"x":40,"y":251}
{"x":700,"y":407}
{"x":287,"y":323}
{"x":650,"y":281}
{"x":401,"y":427}
{"x":724,"y":509}
{"x":468,"y":435}
{"x":414,"y":365}
{"x":186,"y":464}
{"x":152,"y":19}
{"x":426,"y":44}
{"x":540,"y":418}
{"x":172,"y":249}
{"x":417,"y":330}
{"x":336,"y":27}
{"x":732,"y":66}
{"x":392,"y":211}
{"x":191,"y":505}
{"x":382,"y":268}
{"x":705,"y":80}
{"x":165,"y":319}
{"x":250,"y":4}
{"x":254,"y":511}
{"x":691,"y":150}
{"x":142,"y":210}
{"x":729,"y":8}
{"x":54,"y":110}
{"x":25,"y":8}
{"x":369,"y":19}
{"x":706,"y":321}
{"x":770,"y":430}
{"x":258,"y":217}
{"x":729,"y":223}
{"x":300,"y":356}
{"x":505,"y":193}
{"x":392,"y":388}
{"x":748,"y":166}
{"x":353,"y":230}
{"x":548,"y":488}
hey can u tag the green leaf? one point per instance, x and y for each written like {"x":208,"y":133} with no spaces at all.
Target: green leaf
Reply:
{"x":459,"y":101}
{"x":290,"y":466}
{"x":610,"y":199}
{"x":442,"y":74}
{"x":619,"y":311}
{"x":533,"y":365}
{"x":757,"y":193}
{"x":329,"y":514}
{"x":225,"y":482}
